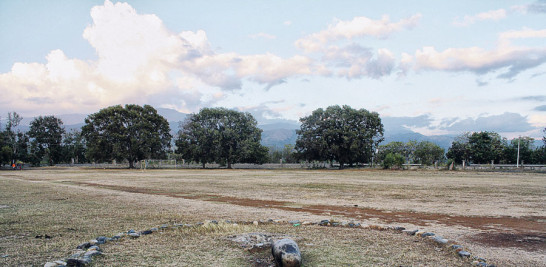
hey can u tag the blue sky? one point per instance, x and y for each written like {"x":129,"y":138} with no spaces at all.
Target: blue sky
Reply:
{"x":448,"y":66}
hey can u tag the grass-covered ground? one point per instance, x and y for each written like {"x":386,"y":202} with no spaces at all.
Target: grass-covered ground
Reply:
{"x":498,"y":216}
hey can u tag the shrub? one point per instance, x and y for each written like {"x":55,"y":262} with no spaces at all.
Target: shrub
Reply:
{"x":393,"y":161}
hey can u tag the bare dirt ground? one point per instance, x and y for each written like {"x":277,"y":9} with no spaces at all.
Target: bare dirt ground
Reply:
{"x":498,"y":216}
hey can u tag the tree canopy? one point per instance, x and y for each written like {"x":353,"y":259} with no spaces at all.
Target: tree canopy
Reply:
{"x":46,"y":134}
{"x":132,"y":132}
{"x":341,"y":134}
{"x":221,"y":135}
{"x":424,"y":152}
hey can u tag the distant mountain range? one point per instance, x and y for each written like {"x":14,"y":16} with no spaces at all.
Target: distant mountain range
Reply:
{"x":278,"y":132}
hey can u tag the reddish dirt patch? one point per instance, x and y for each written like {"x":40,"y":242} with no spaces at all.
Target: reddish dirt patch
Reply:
{"x":517,"y":228}
{"x":521,"y":224}
{"x":527,"y":241}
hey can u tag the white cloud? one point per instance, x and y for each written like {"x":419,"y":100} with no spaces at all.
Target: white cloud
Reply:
{"x":354,"y":61}
{"x":359,"y":26}
{"x":479,"y":60}
{"x":493,"y":15}
{"x":140,"y":59}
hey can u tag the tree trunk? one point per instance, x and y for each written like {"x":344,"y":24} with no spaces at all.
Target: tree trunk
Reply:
{"x":131,"y":164}
{"x":229,"y":164}
{"x":203,"y":165}
{"x":341,"y":165}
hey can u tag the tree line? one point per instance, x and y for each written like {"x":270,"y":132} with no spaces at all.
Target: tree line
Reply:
{"x":488,"y":147}
{"x":336,"y":135}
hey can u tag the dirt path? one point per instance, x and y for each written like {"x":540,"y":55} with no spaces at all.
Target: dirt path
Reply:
{"x":528,"y":233}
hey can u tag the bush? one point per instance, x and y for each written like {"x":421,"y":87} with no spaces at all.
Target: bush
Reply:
{"x":393,"y":161}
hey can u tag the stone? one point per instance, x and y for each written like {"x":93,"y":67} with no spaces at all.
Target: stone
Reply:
{"x":163,"y":226}
{"x":255,"y":222}
{"x":76,"y":263}
{"x":91,"y":253}
{"x":427,"y":234}
{"x":62,"y":263}
{"x":132,"y":231}
{"x":93,"y":241}
{"x":410,"y":232}
{"x":324,"y":222}
{"x":134,"y":235}
{"x":101,"y":239}
{"x":294,"y":222}
{"x":155,"y":229}
{"x":464,"y":254}
{"x":94,"y":248}
{"x":84,"y":245}
{"x":456,"y":247}
{"x":50,"y":264}
{"x":77,"y":254}
{"x":286,"y":253}
{"x":440,"y":240}
{"x":399,"y":228}
{"x":146,"y":232}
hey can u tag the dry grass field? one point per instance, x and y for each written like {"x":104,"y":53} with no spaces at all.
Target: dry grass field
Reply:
{"x":46,"y":213}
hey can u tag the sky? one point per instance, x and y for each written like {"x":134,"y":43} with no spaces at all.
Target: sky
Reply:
{"x":437,"y":67}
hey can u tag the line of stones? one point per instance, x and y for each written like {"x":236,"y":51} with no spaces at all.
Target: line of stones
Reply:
{"x":84,"y":253}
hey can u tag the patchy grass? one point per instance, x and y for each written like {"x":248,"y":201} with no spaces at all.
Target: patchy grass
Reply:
{"x":71,"y":206}
{"x":320,"y":246}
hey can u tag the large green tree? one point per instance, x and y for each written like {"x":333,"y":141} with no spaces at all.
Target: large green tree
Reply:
{"x":46,"y":134}
{"x":10,"y":139}
{"x":485,"y":147}
{"x":460,"y":149}
{"x":74,"y":147}
{"x":341,"y":134}
{"x":427,"y":153}
{"x":221,"y":135}
{"x":132,"y":133}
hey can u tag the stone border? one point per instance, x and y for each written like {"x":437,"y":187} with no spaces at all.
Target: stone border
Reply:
{"x":85,"y":252}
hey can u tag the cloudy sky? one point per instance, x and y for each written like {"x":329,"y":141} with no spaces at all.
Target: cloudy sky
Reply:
{"x":439,"y":67}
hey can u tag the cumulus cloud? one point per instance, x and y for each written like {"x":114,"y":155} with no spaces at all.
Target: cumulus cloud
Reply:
{"x":493,"y":15}
{"x":139,"y":59}
{"x":478,"y":60}
{"x":351,"y":60}
{"x":354,"y":61}
{"x":357,"y":27}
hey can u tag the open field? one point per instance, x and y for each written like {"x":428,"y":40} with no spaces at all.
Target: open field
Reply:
{"x":498,"y":216}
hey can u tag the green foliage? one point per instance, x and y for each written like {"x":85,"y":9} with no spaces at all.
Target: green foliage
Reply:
{"x":341,"y":134}
{"x":393,"y":161}
{"x":132,"y":132}
{"x":485,"y":147}
{"x":15,"y":140}
{"x":287,"y":154}
{"x":74,"y":147}
{"x":221,"y":135}
{"x":427,"y":153}
{"x":5,"y":155}
{"x":423,"y":152}
{"x":460,"y":149}
{"x":46,"y":133}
